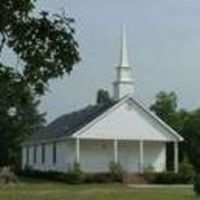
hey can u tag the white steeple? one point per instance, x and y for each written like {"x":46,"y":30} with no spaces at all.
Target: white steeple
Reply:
{"x":124,"y":84}
{"x":124,"y":53}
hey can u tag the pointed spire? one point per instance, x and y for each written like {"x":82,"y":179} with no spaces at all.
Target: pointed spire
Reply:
{"x":124,"y":62}
{"x":124,"y":83}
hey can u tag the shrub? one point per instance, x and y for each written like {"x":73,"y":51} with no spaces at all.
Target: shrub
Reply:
{"x":167,"y":178}
{"x":116,"y":171}
{"x":89,"y":178}
{"x":75,"y":175}
{"x":197,"y":185}
{"x":187,"y":169}
{"x":71,"y":177}
{"x":7,"y":176}
{"x":149,"y":169}
{"x":149,"y":174}
{"x":98,"y":178}
{"x":49,"y":175}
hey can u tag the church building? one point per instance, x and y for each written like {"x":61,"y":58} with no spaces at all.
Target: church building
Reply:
{"x":123,"y":132}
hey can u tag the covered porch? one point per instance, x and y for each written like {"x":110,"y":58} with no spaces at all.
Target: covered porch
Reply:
{"x":94,"y":155}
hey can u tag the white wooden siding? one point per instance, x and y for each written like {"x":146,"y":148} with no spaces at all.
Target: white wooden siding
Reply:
{"x":95,"y":155}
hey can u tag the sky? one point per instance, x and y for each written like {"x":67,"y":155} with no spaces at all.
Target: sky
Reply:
{"x":164,"y":50}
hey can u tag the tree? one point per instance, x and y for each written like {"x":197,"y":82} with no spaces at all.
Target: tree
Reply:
{"x":46,"y":49}
{"x":166,"y":108}
{"x":184,"y":122}
{"x":103,"y":97}
{"x":18,"y":116}
{"x":191,"y":132}
{"x":44,"y":43}
{"x":197,"y":185}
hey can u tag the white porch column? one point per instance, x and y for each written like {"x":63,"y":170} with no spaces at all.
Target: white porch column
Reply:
{"x":176,"y":157}
{"x":115,"y":144}
{"x":77,"y":150}
{"x":141,"y":164}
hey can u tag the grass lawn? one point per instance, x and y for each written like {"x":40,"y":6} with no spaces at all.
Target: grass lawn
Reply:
{"x":29,"y":189}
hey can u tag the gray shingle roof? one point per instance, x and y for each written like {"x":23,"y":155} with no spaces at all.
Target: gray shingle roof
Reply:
{"x":68,"y":124}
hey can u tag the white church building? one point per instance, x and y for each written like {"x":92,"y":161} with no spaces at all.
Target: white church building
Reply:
{"x":124,"y":132}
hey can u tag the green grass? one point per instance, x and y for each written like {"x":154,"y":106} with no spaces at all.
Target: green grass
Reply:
{"x":29,"y":189}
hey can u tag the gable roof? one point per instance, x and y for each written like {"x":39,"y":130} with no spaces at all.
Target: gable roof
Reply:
{"x":68,"y":124}
{"x":75,"y":123}
{"x":147,"y":112}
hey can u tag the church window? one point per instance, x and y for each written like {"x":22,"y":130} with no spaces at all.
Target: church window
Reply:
{"x":54,"y":153}
{"x":27,"y":155}
{"x":43,"y":153}
{"x":35,"y":154}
